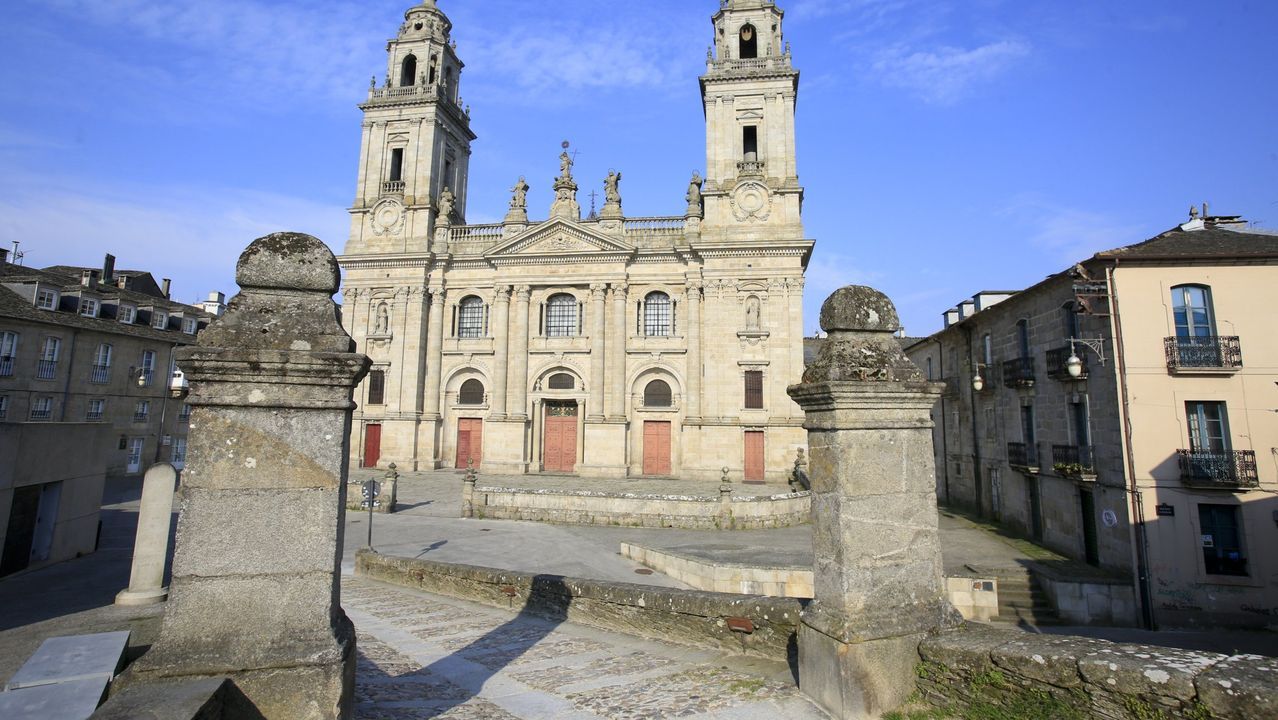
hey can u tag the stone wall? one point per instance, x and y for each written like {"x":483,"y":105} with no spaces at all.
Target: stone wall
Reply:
{"x":984,"y":672}
{"x":587,"y":507}
{"x":741,"y":624}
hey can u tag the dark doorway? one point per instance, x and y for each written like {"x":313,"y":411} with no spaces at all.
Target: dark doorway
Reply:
{"x":21,"y":532}
{"x":1036,"y":508}
{"x":1087,"y":506}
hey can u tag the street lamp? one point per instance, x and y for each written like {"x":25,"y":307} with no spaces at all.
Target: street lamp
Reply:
{"x":978,"y":382}
{"x":1074,"y":364}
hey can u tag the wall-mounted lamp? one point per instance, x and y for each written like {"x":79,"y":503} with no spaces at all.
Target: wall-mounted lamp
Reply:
{"x":978,"y":382}
{"x":1074,"y":364}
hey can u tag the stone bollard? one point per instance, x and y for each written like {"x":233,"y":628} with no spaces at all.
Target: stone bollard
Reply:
{"x":255,"y":592}
{"x":468,"y":495}
{"x":725,"y":501}
{"x":878,"y":588}
{"x":151,"y":545}
{"x":390,"y":488}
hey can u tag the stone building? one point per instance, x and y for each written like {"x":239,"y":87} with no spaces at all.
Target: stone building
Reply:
{"x":609,"y":346}
{"x":87,"y":389}
{"x":1146,"y":445}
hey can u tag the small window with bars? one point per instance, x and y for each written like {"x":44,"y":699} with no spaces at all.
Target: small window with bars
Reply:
{"x":470,"y":318}
{"x":754,"y":389}
{"x":377,"y":387}
{"x":562,"y":381}
{"x":561,"y":316}
{"x":657,"y":395}
{"x":471,"y":393}
{"x":657,"y":316}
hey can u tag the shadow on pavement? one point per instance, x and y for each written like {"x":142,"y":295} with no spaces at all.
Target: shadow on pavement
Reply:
{"x":433,"y":546}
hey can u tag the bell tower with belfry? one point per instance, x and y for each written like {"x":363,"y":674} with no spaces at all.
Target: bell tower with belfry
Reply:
{"x":749,"y":92}
{"x":415,"y":145}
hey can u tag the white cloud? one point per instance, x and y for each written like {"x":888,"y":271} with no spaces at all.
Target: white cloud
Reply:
{"x":1066,"y":235}
{"x":946,"y":74}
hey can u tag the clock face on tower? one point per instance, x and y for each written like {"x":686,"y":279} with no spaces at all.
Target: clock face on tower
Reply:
{"x":388,"y":217}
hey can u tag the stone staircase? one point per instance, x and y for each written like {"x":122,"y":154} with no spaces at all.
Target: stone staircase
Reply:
{"x":1021,"y":598}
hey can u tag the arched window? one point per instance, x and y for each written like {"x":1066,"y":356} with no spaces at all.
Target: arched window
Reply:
{"x":471,"y":393}
{"x":561,"y":316}
{"x":408,"y":72}
{"x":434,"y":70}
{"x":656,"y":315}
{"x":1022,"y":337}
{"x":657,"y":394}
{"x":449,"y":91}
{"x":470,"y":318}
{"x":1192,"y":307}
{"x":562,"y":381}
{"x":749,"y":42}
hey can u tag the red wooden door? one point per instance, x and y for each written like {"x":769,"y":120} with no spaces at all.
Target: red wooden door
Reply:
{"x":754,"y":456}
{"x":561,"y":444}
{"x":372,"y":445}
{"x":656,"y":448}
{"x":470,"y":442}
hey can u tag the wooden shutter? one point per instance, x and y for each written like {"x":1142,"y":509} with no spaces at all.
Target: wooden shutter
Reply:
{"x":754,"y":389}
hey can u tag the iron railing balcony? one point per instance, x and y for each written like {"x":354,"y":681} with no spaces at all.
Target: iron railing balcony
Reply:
{"x":1022,"y":455}
{"x":100,"y":375}
{"x":146,"y":377}
{"x":6,"y":366}
{"x":1074,"y":461}
{"x":1019,"y":373}
{"x":1203,"y":353}
{"x":46,"y":369}
{"x":1221,"y":470}
{"x":39,"y":414}
{"x":140,"y":417}
{"x":1057,"y":364}
{"x":93,"y":416}
{"x":184,"y":417}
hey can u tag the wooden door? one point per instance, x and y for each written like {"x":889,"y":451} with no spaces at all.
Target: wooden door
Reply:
{"x":656,"y":448}
{"x":470,"y":442}
{"x":754,"y":456}
{"x":560,"y":440}
{"x":372,"y":445}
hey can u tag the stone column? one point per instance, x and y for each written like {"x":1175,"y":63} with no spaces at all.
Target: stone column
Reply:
{"x":692,"y":402}
{"x":878,"y":580}
{"x":151,"y":546}
{"x":617,"y":356}
{"x":518,"y":403}
{"x":255,"y":592}
{"x":434,"y":353}
{"x":598,"y":332}
{"x":501,"y":351}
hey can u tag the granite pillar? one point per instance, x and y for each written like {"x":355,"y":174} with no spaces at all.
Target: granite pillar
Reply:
{"x":434,"y":354}
{"x":616,"y":408}
{"x":598,"y":332}
{"x":151,"y":545}
{"x":878,"y":587}
{"x":518,"y":403}
{"x":693,"y":331}
{"x":255,"y":590}
{"x":501,"y":350}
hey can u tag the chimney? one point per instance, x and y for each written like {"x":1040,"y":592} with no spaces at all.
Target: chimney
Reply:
{"x":164,"y":287}
{"x":88,"y":278}
{"x":108,"y":269}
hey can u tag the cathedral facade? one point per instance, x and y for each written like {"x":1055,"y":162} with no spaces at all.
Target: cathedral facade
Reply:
{"x":609,"y":346}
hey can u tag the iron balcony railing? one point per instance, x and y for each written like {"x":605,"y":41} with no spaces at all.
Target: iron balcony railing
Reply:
{"x":46,"y":369}
{"x":140,"y":417}
{"x":1019,"y":372}
{"x":184,"y":416}
{"x":41,"y":413}
{"x":1073,"y":460}
{"x":1209,"y":352}
{"x":6,"y":366}
{"x":100,"y":375}
{"x":1225,"y":470}
{"x":146,"y":377}
{"x":1022,"y":455}
{"x":93,"y":416}
{"x":1058,"y":367}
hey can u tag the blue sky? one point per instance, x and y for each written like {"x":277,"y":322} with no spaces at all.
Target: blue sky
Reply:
{"x":946,"y":146}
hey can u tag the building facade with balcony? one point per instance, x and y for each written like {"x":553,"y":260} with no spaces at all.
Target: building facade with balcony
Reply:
{"x":604,"y":345}
{"x":1147,"y":445}
{"x":87,"y":390}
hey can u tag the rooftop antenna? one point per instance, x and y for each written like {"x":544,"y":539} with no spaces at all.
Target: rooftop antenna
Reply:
{"x":17,"y":256}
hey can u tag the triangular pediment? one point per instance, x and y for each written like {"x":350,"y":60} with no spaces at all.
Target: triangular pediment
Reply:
{"x":558,"y":238}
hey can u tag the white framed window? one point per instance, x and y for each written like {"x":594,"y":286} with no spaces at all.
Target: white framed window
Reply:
{"x":189,"y":325}
{"x":147,"y":369}
{"x":42,"y":408}
{"x":88,"y":307}
{"x":160,"y":320}
{"x":470,"y":318}
{"x":47,"y":299}
{"x":561,"y":316}
{"x":179,"y":452}
{"x":47,"y":366}
{"x":657,"y":316}
{"x":135,"y":454}
{"x":127,"y":315}
{"x":142,"y":411}
{"x":96,"y":411}
{"x":8,"y":350}
{"x":101,"y":373}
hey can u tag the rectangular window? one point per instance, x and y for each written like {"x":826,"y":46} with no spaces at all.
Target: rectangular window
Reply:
{"x":146,"y":373}
{"x":987,"y":349}
{"x":470,"y":318}
{"x":88,"y":307}
{"x":101,"y":373}
{"x":396,"y":173}
{"x":142,"y":411}
{"x":47,"y":365}
{"x":189,"y":325}
{"x":160,"y":320}
{"x":1208,"y":426}
{"x":97,"y":408}
{"x":754,"y":389}
{"x":42,"y":408}
{"x":128,"y":314}
{"x":1222,"y":540}
{"x":47,"y":299}
{"x":179,"y":452}
{"x":750,"y":142}
{"x":377,"y":387}
{"x":185,"y":415}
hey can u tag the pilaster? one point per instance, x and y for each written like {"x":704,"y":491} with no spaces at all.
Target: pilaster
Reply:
{"x":616,"y":356}
{"x":501,"y":351}
{"x":598,"y":330}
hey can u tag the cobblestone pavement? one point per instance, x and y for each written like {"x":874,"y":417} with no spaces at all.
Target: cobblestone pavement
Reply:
{"x":423,"y":656}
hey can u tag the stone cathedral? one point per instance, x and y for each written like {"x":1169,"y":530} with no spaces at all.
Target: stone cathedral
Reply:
{"x":609,"y":346}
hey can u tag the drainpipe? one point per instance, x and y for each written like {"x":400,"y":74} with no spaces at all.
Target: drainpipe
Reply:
{"x":945,"y":444}
{"x":1139,"y":536}
{"x":66,"y":387}
{"x":164,"y":403}
{"x":976,"y":443}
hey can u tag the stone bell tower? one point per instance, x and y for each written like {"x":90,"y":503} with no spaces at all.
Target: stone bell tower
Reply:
{"x":415,"y":146}
{"x":750,"y":88}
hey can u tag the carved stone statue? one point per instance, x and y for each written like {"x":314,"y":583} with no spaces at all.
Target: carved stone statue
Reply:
{"x":520,"y":199}
{"x":612,"y":192}
{"x":694,"y":194}
{"x":752,"y":313}
{"x":447,"y":202}
{"x":565,"y":165}
{"x":382,"y":325}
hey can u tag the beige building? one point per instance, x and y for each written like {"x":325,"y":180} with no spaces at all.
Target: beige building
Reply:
{"x":87,"y":389}
{"x":608,"y":346}
{"x":1155,"y":455}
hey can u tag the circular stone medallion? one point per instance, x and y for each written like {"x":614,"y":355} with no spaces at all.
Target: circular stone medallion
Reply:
{"x":752,"y":201}
{"x":388,"y":217}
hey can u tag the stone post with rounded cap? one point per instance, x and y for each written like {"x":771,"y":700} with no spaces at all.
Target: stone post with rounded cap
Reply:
{"x":878,"y":587}
{"x":255,"y":587}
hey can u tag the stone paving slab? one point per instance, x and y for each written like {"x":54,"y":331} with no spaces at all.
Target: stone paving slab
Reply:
{"x":71,"y":700}
{"x":71,"y":658}
{"x":424,"y":656}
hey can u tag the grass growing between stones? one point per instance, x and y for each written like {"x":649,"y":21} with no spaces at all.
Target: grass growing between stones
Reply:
{"x":993,"y":697}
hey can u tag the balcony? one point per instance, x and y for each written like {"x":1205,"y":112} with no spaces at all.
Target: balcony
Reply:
{"x":6,"y":366}
{"x":41,"y":413}
{"x":100,"y":375}
{"x":1022,"y":455}
{"x":93,"y":416}
{"x":141,"y":417}
{"x":184,"y":417}
{"x":393,"y":187}
{"x":1058,"y":368}
{"x":145,"y":377}
{"x":1203,"y":354}
{"x":1019,"y":373}
{"x":1223,"y":470}
{"x":46,"y":369}
{"x":1074,"y":461}
{"x":751,"y":168}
